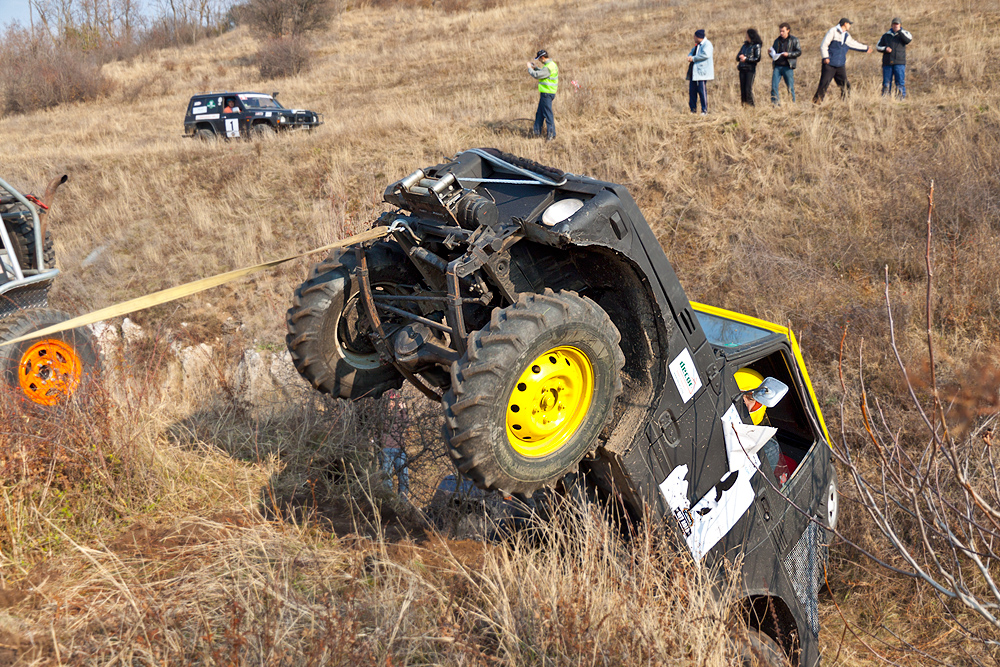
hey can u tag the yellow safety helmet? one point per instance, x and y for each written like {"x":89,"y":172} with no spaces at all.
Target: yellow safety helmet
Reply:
{"x":748,"y":379}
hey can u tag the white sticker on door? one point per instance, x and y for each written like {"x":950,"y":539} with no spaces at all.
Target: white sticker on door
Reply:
{"x":232,"y":127}
{"x":685,"y":375}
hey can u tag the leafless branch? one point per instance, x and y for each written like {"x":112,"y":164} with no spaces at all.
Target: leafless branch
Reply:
{"x":931,"y":494}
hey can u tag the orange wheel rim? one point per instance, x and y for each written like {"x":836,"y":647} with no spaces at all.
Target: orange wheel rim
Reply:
{"x":50,"y":371}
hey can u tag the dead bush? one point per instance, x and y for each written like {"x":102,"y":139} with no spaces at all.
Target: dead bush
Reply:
{"x":449,"y":6}
{"x":39,"y":76}
{"x":285,"y":18}
{"x":283,"y":57}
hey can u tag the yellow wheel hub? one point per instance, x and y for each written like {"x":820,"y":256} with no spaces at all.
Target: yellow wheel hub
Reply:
{"x":49,"y":371}
{"x":550,"y":401}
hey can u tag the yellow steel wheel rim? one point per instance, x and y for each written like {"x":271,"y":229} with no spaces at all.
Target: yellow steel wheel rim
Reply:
{"x":550,"y":401}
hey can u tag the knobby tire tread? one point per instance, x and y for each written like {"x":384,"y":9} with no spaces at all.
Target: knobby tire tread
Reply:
{"x":478,"y":380}
{"x":330,"y":282}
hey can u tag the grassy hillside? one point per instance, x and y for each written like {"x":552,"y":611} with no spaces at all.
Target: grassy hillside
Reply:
{"x":792,"y":214}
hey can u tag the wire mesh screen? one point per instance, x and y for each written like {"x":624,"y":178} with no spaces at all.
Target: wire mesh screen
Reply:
{"x":804,"y":565}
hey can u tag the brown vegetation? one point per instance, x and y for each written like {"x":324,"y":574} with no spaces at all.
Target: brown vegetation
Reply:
{"x":38,"y":74}
{"x":283,"y":57}
{"x":791,"y":214}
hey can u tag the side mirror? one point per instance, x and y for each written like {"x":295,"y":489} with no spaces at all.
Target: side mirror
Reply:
{"x":275,"y":94}
{"x":770,"y":392}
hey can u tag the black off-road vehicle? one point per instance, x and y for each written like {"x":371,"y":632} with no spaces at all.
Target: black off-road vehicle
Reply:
{"x":234,"y":115}
{"x":539,"y":308}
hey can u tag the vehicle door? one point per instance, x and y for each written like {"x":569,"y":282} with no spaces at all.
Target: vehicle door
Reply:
{"x":234,"y":120}
{"x":791,"y":490}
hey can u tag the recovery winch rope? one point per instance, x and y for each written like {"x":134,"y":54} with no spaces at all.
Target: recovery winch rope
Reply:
{"x":187,"y":289}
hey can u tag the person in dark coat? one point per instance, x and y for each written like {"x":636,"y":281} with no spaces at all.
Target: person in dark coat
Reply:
{"x":784,"y":55}
{"x":892,"y":46}
{"x":746,"y":63}
{"x":833,"y":49}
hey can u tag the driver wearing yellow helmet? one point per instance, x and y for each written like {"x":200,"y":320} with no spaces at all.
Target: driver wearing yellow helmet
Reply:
{"x":747,"y":379}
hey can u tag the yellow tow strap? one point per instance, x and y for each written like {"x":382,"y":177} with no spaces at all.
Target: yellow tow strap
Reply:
{"x":174,"y":293}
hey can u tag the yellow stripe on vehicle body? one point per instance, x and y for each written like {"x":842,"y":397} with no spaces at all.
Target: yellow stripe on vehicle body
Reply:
{"x":778,"y":329}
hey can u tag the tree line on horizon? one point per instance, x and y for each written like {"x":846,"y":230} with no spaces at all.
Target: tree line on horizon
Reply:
{"x":58,"y":57}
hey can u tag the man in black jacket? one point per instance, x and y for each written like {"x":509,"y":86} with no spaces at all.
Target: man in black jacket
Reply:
{"x":893,"y":49}
{"x":784,"y":54}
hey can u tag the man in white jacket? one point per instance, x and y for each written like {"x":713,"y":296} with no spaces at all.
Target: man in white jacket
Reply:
{"x":701,"y":68}
{"x":836,"y":44}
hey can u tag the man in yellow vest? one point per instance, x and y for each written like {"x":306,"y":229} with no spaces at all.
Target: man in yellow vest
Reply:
{"x":547,"y":73}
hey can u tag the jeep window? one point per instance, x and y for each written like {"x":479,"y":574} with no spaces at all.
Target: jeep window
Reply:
{"x":746,"y":345}
{"x":723,"y":332}
{"x":261,"y":103}
{"x":200,"y":105}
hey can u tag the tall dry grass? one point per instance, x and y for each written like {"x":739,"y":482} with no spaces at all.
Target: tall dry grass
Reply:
{"x":786,"y":213}
{"x":141,"y":542}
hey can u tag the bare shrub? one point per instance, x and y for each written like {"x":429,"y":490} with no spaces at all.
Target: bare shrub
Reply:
{"x":39,"y":75}
{"x":449,"y":6}
{"x":285,"y":18}
{"x":282,"y":57}
{"x":927,"y":480}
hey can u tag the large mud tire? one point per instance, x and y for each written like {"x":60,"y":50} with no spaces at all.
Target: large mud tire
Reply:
{"x":49,"y":370}
{"x":492,"y":391}
{"x":760,"y":650}
{"x":22,"y":237}
{"x":264,"y":131}
{"x":327,"y":336}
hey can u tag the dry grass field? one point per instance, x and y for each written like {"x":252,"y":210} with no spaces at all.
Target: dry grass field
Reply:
{"x":141,"y":528}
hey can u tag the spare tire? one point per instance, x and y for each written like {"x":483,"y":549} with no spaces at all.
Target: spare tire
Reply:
{"x":22,"y":238}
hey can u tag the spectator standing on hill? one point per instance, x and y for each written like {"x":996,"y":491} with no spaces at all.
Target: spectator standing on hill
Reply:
{"x":784,"y":55}
{"x":892,"y":46}
{"x":547,"y":73}
{"x":746,"y":63}
{"x":701,"y":69}
{"x":836,"y":44}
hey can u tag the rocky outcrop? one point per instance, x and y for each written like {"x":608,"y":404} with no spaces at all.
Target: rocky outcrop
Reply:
{"x":257,"y":377}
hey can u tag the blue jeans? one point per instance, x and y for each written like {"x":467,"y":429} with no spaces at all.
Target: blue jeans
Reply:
{"x":394,"y":465}
{"x":782,"y":72}
{"x":697,"y":89}
{"x":544,"y":113}
{"x":897,"y":72}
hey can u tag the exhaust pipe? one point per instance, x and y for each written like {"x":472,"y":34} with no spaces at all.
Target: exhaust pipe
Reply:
{"x":47,"y":199}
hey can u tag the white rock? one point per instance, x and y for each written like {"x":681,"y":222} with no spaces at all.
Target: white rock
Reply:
{"x":131,"y":331}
